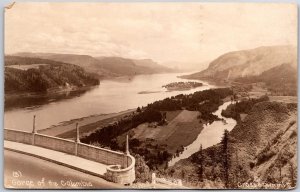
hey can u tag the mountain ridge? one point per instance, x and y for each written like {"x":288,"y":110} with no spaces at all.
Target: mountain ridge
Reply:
{"x":105,"y":67}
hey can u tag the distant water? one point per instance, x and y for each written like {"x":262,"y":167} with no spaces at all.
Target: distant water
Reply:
{"x":109,"y":97}
{"x":209,"y":136}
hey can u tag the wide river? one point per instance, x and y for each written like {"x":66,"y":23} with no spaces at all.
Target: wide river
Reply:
{"x":109,"y":97}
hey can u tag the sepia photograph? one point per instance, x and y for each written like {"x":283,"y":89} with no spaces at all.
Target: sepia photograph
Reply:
{"x":150,"y":95}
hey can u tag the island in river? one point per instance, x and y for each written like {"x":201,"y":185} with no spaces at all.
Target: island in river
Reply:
{"x":179,"y":86}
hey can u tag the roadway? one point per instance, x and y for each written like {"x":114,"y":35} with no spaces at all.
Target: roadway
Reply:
{"x":24,"y":171}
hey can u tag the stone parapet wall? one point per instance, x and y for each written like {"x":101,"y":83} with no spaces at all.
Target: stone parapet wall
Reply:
{"x":101,"y":155}
{"x":126,"y":175}
{"x":54,"y":143}
{"x":18,"y":136}
{"x":121,"y":166}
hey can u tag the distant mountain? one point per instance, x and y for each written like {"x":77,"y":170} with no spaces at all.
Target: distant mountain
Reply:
{"x":25,"y":74}
{"x":119,"y":65}
{"x":153,"y":65}
{"x":105,"y":67}
{"x":187,"y":66}
{"x":247,"y":63}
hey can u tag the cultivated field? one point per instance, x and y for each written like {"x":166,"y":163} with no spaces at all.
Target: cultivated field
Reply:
{"x":182,"y":129}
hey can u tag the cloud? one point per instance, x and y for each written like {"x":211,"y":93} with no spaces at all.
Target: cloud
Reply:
{"x":184,"y":32}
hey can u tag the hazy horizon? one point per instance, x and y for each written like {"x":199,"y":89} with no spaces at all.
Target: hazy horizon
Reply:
{"x":174,"y":34}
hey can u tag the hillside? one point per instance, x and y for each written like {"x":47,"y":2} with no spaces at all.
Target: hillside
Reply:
{"x":23,"y":74}
{"x":280,"y":80}
{"x":248,"y":62}
{"x":262,"y":149}
{"x":105,"y":67}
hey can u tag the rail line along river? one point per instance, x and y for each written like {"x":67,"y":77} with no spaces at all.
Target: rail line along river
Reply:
{"x":110,"y":96}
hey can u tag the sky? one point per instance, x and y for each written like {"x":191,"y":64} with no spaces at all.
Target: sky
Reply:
{"x":172,"y":33}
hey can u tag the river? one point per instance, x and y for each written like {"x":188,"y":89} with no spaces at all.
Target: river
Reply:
{"x":109,"y":97}
{"x":210,"y":135}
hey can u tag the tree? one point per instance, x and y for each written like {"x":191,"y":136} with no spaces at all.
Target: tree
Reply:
{"x":142,"y":171}
{"x":292,"y":173}
{"x":201,"y":169}
{"x":237,"y":170}
{"x":172,"y":171}
{"x":183,"y":174}
{"x":280,"y":167}
{"x":225,"y":157}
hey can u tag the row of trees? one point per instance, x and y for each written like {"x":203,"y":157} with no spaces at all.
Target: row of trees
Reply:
{"x":107,"y":135}
{"x":196,"y":101}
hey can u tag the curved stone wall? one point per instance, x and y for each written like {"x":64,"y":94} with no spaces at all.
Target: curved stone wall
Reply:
{"x":121,"y":166}
{"x":117,"y":174}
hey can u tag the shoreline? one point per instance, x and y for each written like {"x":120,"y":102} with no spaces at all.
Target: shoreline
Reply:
{"x":93,"y":121}
{"x":46,"y":94}
{"x":208,"y":80}
{"x":31,"y":99}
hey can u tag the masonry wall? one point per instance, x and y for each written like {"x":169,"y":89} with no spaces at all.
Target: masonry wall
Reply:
{"x":124,"y":174}
{"x":101,"y":155}
{"x":18,"y":136}
{"x":54,"y":143}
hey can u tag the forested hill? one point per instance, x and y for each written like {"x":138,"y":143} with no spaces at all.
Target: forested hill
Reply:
{"x":25,"y":74}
